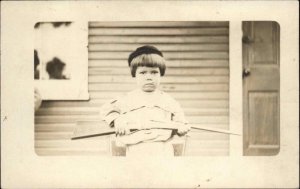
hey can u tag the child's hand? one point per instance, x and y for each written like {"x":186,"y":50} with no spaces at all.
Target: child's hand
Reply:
{"x":121,"y":126}
{"x":183,"y":129}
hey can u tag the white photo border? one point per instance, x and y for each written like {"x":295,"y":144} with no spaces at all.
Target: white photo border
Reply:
{"x":22,"y":168}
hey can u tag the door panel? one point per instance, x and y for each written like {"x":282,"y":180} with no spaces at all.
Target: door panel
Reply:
{"x":264,"y":46}
{"x":262,"y":107}
{"x":261,"y":88}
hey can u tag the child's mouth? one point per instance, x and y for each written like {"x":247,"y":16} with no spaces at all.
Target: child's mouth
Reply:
{"x":149,"y":84}
{"x":149,"y":87}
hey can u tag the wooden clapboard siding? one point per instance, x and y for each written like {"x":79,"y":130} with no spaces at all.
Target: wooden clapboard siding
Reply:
{"x":184,"y":103}
{"x":159,"y":39}
{"x":170,"y":63}
{"x":177,"y":95}
{"x":158,"y":31}
{"x":160,"y":24}
{"x":171,"y":71}
{"x":172,"y":79}
{"x":63,"y":111}
{"x":197,"y":76}
{"x":67,"y":111}
{"x":163,"y":47}
{"x":172,"y":87}
{"x":168,"y":55}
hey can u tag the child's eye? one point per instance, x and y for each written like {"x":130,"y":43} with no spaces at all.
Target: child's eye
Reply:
{"x":142,"y":72}
{"x":154,"y":72}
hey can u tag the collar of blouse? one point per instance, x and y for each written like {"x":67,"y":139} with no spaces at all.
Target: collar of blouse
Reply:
{"x":138,"y":99}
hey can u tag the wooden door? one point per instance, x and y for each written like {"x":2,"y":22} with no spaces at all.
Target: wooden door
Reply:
{"x":261,"y":88}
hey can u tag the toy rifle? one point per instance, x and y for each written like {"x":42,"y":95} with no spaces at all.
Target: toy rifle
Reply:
{"x":153,"y":124}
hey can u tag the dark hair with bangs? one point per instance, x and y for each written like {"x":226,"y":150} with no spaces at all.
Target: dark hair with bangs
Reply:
{"x":148,"y":60}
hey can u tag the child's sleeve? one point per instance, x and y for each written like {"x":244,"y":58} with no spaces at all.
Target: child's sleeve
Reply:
{"x":176,"y":110}
{"x":178,"y":114}
{"x":110,"y":111}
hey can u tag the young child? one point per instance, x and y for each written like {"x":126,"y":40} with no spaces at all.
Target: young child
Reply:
{"x":146,"y":108}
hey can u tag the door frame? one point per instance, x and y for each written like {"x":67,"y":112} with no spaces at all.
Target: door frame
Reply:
{"x":235,"y":88}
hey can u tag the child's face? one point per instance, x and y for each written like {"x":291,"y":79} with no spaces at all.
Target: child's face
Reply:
{"x":147,"y":78}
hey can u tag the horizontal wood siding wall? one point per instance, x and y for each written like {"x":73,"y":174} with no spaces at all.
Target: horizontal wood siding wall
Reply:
{"x":197,"y":76}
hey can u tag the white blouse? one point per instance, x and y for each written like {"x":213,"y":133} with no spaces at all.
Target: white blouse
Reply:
{"x":137,"y":108}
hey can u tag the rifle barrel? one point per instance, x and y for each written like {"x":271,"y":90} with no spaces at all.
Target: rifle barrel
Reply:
{"x":171,"y":125}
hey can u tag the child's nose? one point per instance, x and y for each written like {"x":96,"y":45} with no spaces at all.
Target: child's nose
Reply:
{"x":148,"y":76}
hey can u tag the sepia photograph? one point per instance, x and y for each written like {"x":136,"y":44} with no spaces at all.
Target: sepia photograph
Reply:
{"x":156,"y":77}
{"x":129,"y":99}
{"x":185,"y":94}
